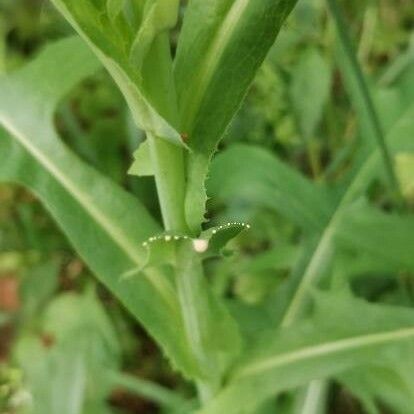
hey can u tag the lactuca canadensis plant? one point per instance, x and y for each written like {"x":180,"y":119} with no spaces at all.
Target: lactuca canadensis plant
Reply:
{"x":184,"y":102}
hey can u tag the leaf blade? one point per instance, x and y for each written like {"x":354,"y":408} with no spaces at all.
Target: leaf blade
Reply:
{"x":109,"y":48}
{"x":215,"y":64}
{"x":315,"y":349}
{"x":268,"y":182}
{"x":106,"y":224}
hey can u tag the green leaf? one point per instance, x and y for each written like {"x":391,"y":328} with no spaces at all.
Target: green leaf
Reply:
{"x":387,"y":383}
{"x":404,"y":165}
{"x":112,"y":45}
{"x":218,"y":237}
{"x":163,"y":249}
{"x":105,"y":224}
{"x":114,"y":8}
{"x":309,"y":90}
{"x":268,"y":182}
{"x":38,"y":285}
{"x":64,"y":371}
{"x":217,"y":59}
{"x":313,"y":265}
{"x":310,"y":272}
{"x":151,"y":391}
{"x":370,"y":124}
{"x":142,"y":165}
{"x":159,"y":16}
{"x":258,"y":277}
{"x":210,"y":331}
{"x":56,"y":381}
{"x":316,"y":348}
{"x":149,"y":90}
{"x":388,"y":237}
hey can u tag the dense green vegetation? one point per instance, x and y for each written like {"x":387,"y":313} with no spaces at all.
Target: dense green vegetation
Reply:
{"x":206,"y":206}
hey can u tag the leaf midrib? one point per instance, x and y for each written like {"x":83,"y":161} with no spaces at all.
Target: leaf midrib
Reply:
{"x":112,"y":230}
{"x":323,"y":247}
{"x":328,"y":348}
{"x":211,"y":61}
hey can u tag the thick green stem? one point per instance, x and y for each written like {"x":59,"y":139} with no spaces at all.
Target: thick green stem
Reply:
{"x":362,"y":94}
{"x":191,"y":288}
{"x":168,"y":163}
{"x":167,"y":158}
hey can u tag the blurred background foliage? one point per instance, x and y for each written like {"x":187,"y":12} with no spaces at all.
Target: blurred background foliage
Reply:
{"x":55,"y":322}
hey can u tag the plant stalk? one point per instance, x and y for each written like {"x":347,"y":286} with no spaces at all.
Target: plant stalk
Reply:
{"x":167,"y":158}
{"x":194,"y":301}
{"x":168,"y":161}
